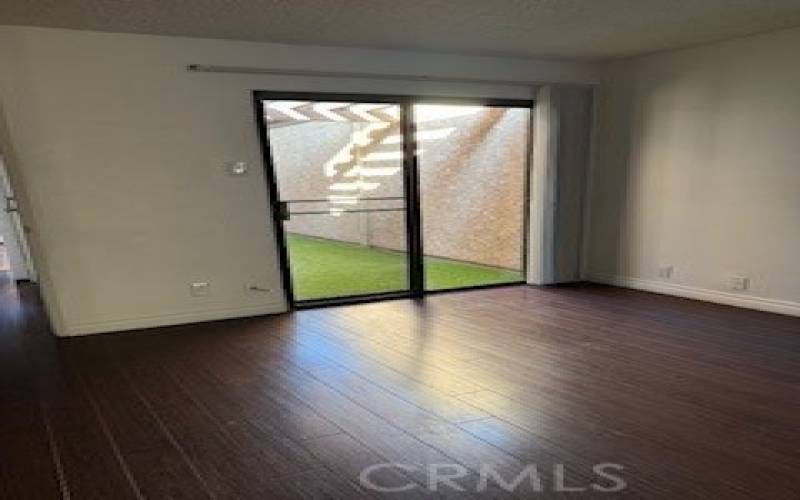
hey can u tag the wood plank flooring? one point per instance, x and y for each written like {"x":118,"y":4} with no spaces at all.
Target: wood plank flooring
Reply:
{"x":691,"y":400}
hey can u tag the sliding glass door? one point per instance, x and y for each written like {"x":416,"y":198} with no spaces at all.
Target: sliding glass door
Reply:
{"x":380,"y":196}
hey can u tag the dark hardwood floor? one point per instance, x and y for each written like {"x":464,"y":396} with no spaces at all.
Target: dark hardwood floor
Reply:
{"x":693,"y":400}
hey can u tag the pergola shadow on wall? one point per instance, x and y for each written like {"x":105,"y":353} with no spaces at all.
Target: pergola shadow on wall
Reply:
{"x":330,"y":158}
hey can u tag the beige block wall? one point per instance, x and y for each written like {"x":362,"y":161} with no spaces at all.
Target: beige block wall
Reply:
{"x":472,"y":187}
{"x":299,"y":154}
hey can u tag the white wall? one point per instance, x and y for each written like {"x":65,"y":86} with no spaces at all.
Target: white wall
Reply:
{"x":119,"y":149}
{"x":698,"y":166}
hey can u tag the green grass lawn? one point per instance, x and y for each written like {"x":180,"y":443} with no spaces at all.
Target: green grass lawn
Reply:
{"x":325,"y":268}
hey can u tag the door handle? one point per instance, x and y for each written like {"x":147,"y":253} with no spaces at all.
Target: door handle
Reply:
{"x":283,"y":210}
{"x":11,"y":204}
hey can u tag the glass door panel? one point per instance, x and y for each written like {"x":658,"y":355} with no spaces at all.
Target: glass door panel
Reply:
{"x":472,"y":174}
{"x":339,"y":171}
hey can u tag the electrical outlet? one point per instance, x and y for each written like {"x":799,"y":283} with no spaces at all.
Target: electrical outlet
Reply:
{"x":665,"y":272}
{"x":740,"y":282}
{"x":199,"y":288}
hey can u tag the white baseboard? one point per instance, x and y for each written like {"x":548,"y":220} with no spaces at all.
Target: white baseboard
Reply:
{"x":690,"y":292}
{"x":170,"y":319}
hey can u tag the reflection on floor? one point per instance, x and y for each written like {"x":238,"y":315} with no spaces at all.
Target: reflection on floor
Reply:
{"x":325,"y":268}
{"x":692,"y":400}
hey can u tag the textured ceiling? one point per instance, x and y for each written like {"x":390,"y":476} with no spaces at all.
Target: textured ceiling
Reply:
{"x":585,"y":29}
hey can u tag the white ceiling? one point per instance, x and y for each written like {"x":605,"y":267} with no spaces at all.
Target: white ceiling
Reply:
{"x":584,"y":29}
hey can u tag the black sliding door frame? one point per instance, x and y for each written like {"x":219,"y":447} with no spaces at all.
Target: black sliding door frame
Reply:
{"x":416,"y":269}
{"x":411,"y":186}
